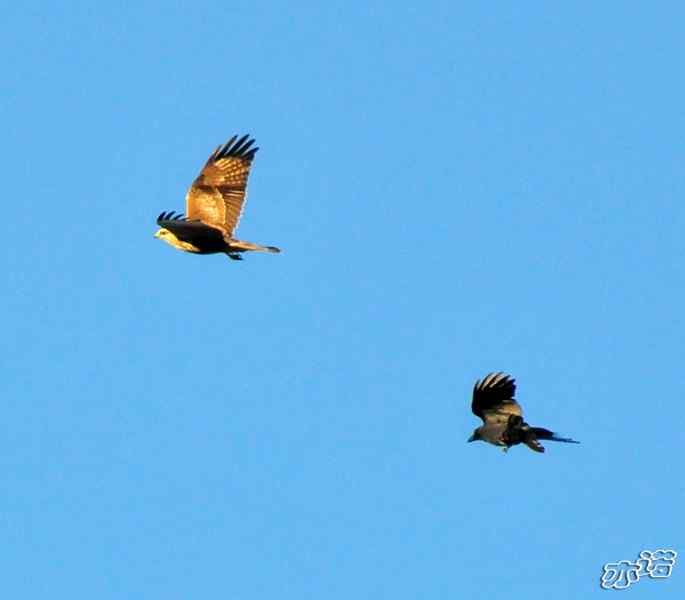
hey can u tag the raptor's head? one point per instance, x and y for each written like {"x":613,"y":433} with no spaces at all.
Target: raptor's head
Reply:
{"x":166,"y":236}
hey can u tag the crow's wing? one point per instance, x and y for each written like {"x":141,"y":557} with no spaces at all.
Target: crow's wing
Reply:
{"x":218,"y":194}
{"x":493,"y":399}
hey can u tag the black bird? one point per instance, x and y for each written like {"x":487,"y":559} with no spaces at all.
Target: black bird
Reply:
{"x":503,"y":424}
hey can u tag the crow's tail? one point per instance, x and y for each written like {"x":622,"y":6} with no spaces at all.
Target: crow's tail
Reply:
{"x":545,"y":434}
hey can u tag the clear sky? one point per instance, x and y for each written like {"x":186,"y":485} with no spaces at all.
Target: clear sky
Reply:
{"x":458,"y":188}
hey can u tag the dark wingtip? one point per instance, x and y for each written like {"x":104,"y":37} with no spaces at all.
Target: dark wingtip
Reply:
{"x":240,"y":148}
{"x":242,"y":144}
{"x":250,"y":155}
{"x":169,"y":216}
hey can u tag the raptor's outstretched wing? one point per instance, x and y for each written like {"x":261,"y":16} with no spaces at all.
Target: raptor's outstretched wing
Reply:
{"x":218,"y":194}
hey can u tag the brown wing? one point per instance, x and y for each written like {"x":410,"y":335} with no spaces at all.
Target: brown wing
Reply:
{"x":493,"y":398}
{"x":218,"y":194}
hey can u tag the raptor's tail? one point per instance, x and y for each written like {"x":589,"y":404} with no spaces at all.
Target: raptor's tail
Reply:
{"x":249,"y":246}
{"x":545,"y":434}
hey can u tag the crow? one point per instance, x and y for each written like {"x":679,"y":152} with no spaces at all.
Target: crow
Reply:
{"x":503,"y":424}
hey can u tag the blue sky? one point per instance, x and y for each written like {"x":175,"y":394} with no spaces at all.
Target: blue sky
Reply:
{"x":458,"y":188}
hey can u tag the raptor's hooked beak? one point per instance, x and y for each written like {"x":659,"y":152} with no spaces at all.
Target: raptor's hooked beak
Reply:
{"x":472,"y":438}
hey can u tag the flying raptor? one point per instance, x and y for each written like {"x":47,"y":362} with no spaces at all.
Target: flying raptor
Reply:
{"x":214,"y":204}
{"x":503,"y":424}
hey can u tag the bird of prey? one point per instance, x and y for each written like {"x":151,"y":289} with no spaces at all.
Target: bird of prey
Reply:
{"x":503,"y":424}
{"x":214,"y":204}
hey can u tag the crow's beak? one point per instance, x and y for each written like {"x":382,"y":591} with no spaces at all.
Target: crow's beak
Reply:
{"x":472,"y":438}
